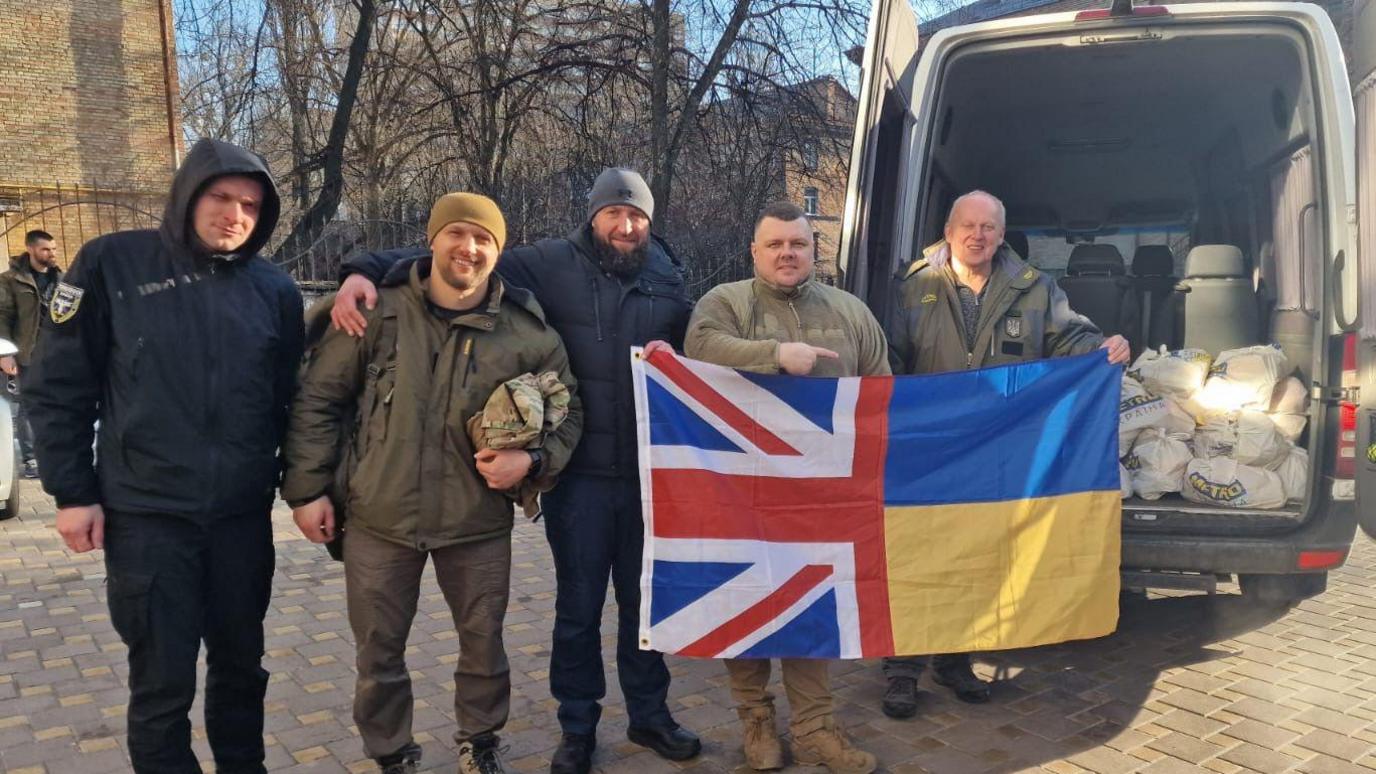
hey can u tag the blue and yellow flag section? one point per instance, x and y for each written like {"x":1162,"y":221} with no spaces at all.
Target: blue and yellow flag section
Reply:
{"x":870,"y":516}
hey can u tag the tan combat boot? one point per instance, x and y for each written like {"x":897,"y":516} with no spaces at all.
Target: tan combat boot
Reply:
{"x":827,"y":746}
{"x":763,"y":750}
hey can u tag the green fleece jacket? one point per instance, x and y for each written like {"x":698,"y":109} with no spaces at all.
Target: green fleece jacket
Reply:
{"x":415,"y":482}
{"x":1024,"y":316}
{"x":741,"y":324}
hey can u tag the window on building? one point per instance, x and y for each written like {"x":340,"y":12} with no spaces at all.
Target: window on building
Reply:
{"x":809,"y":155}
{"x":810,"y":200}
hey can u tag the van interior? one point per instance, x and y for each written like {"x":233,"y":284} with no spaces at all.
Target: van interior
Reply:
{"x":1168,"y":183}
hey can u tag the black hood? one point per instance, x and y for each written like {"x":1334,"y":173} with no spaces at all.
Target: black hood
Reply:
{"x":208,"y":160}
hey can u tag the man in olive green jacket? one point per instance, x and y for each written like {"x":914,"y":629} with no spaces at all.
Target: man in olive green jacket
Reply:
{"x":970,"y":302}
{"x":25,"y":290}
{"x":419,"y":489}
{"x":783,"y":321}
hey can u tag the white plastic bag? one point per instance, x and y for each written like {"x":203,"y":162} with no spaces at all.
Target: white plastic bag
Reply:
{"x":1290,"y":426}
{"x":1293,"y":471}
{"x":1290,"y":408}
{"x":1250,"y":438}
{"x":1157,"y":463}
{"x":1177,"y":373}
{"x":1136,"y":410}
{"x":1124,"y":481}
{"x":1221,"y":481}
{"x":1289,"y":397}
{"x":1243,"y":379}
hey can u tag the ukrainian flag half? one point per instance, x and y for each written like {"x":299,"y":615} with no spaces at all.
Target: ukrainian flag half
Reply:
{"x":872,"y":516}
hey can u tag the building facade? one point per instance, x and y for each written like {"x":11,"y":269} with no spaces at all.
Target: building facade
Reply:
{"x":89,"y":128}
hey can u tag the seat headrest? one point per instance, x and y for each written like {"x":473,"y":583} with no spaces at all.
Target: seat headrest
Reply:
{"x":1215,"y":261}
{"x":1153,"y":261}
{"x":1095,"y":259}
{"x":1018,"y":241}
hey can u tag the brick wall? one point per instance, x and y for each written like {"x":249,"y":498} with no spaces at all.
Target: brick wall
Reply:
{"x":85,"y":90}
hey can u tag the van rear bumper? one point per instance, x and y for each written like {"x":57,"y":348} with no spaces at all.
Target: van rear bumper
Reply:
{"x":1331,"y":528}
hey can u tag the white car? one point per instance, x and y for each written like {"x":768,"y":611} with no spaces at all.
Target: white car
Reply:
{"x":9,"y":448}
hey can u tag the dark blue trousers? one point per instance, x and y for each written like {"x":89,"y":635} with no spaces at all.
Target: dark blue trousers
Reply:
{"x":595,"y":530}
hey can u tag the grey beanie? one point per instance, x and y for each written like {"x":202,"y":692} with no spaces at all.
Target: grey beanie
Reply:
{"x":620,"y":186}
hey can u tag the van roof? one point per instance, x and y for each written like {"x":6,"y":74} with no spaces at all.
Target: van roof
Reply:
{"x":1219,"y":10}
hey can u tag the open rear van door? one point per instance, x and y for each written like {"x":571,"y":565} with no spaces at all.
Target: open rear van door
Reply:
{"x":1364,"y":356}
{"x":880,"y":156}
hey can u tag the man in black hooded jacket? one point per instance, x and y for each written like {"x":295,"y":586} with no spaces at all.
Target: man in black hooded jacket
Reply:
{"x":184,"y":344}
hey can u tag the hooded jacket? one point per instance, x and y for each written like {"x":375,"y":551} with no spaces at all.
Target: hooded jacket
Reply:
{"x":22,"y":305}
{"x":1024,"y":316}
{"x":187,"y":358}
{"x":415,"y":482}
{"x":600,"y":317}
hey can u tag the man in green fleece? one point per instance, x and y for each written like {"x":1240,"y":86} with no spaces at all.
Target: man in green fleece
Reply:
{"x":783,"y":321}
{"x":971,"y":302}
{"x":419,"y":489}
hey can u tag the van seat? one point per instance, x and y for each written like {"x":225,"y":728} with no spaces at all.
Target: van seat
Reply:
{"x":1018,"y":241}
{"x":1096,"y":285}
{"x":1220,"y":306}
{"x":1153,"y":270}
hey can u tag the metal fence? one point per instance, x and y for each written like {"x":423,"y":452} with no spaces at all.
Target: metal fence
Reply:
{"x":73,"y":214}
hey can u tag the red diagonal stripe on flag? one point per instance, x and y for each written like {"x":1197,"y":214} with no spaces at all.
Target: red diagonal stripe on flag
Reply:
{"x":703,"y":393}
{"x":760,"y":613}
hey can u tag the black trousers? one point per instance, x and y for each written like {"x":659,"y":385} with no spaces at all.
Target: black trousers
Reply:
{"x":596,"y":532}
{"x":174,"y":582}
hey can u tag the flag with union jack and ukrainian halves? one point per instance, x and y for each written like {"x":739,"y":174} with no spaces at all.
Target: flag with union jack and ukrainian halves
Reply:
{"x":871,"y":516}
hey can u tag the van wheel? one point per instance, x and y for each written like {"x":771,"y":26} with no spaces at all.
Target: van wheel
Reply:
{"x":1282,"y":590}
{"x":11,"y":506}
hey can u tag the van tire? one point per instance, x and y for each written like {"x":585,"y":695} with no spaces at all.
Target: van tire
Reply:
{"x":1282,"y":590}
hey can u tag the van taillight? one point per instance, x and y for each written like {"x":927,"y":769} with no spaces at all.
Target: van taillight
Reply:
{"x":1345,"y":454}
{"x":1107,"y":13}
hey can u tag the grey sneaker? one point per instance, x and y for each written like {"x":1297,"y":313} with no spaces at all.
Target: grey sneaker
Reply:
{"x":481,"y":755}
{"x":403,"y":761}
{"x":31,"y":469}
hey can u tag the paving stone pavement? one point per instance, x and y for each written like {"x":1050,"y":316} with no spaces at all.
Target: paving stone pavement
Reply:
{"x":1188,"y":683}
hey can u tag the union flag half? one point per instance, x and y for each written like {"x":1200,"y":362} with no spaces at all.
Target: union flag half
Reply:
{"x":870,"y":516}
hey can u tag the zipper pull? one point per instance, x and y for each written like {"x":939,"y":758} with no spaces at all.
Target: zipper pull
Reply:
{"x":468,"y":361}
{"x":969,"y":359}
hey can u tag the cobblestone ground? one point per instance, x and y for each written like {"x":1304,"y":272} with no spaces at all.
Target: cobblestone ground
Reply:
{"x":1189,"y":683}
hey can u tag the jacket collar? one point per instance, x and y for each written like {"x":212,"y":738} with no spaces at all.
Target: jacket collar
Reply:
{"x":497,"y":291}
{"x":1009,"y":269}
{"x":24,"y":270}
{"x":768,"y":289}
{"x":659,"y":260}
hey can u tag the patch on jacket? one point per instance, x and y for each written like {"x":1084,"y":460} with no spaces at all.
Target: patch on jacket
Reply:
{"x":1012,"y":327}
{"x":1029,"y":274}
{"x":66,"y":300}
{"x":930,"y":298}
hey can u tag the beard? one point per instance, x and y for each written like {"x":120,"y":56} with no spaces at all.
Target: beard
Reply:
{"x":613,"y":261}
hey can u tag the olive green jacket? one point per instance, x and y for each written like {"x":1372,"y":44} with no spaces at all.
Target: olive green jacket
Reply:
{"x":741,"y":324}
{"x":1024,"y":316}
{"x":21,"y":310}
{"x":415,"y":482}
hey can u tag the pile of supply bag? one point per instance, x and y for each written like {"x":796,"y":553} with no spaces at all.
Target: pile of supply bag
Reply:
{"x":1218,"y":431}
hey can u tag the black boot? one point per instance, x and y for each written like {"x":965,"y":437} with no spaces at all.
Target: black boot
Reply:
{"x":574,"y":755}
{"x":955,"y":673}
{"x":900,"y":699}
{"x":672,"y":742}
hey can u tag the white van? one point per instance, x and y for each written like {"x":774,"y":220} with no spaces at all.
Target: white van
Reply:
{"x":1221,"y":137}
